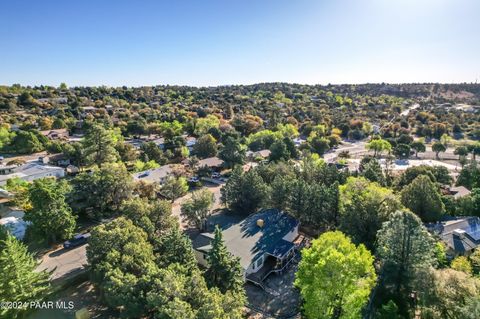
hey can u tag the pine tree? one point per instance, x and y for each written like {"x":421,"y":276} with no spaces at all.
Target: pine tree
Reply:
{"x":224,"y":271}
{"x":99,"y":145}
{"x":174,"y":247}
{"x":404,"y":246}
{"x":19,"y":281}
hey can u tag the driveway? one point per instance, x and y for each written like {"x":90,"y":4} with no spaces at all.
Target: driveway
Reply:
{"x":176,"y":207}
{"x":64,"y":262}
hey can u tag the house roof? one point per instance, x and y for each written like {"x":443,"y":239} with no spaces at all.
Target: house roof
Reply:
{"x":61,"y":131}
{"x":461,"y":235}
{"x":29,"y":169}
{"x":459,"y":191}
{"x":264,"y":153}
{"x":248,"y":241}
{"x":153,"y":175}
{"x":210,"y":162}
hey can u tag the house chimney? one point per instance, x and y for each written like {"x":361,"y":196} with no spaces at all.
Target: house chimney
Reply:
{"x":460,"y":233}
{"x":260,"y":223}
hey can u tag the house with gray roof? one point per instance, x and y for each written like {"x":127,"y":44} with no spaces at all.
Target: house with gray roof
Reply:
{"x":156,"y":175}
{"x":30,"y":172}
{"x":461,"y":235}
{"x":263,"y":242}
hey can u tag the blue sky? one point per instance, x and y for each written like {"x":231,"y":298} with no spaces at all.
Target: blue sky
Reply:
{"x":238,"y":42}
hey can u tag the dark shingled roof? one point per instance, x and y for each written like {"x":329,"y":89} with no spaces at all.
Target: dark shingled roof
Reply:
{"x":468,"y":226}
{"x":246,"y":240}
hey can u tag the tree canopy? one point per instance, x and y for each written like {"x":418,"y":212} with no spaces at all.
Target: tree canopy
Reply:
{"x":335,"y":277}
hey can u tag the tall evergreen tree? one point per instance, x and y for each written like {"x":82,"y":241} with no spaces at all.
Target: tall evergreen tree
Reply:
{"x":174,"y":247}
{"x":99,"y":145}
{"x":404,"y":246}
{"x":19,"y":280}
{"x":224,"y":270}
{"x":232,"y":153}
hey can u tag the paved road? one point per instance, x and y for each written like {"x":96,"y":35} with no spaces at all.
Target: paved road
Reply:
{"x":66,"y":262}
{"x":356,"y":148}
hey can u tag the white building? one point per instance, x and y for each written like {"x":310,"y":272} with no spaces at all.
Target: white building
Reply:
{"x":29,"y":172}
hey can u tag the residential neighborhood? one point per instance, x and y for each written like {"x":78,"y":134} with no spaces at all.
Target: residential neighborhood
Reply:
{"x":240,"y":160}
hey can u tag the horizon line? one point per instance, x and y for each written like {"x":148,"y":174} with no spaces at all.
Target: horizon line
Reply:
{"x":238,"y":84}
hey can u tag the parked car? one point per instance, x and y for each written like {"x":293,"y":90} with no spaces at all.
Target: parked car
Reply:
{"x":193,"y":179}
{"x":216,"y":175}
{"x":77,"y":240}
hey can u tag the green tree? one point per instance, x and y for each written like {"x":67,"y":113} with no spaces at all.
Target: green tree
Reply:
{"x":438,"y":147}
{"x":402,"y":151}
{"x":404,"y":247}
{"x":99,"y":145}
{"x":121,"y":260}
{"x":19,"y":188}
{"x":364,"y":206}
{"x":232,"y":153}
{"x":388,"y":311}
{"x":244,"y":192}
{"x":206,"y":146}
{"x":20,"y":281}
{"x":126,"y":151}
{"x":422,"y":197}
{"x":224,"y":270}
{"x":27,"y":143}
{"x":461,"y":151}
{"x":440,"y":254}
{"x":373,"y":172}
{"x":262,"y":139}
{"x":176,"y":294}
{"x":461,"y":263}
{"x":174,"y":247}
{"x":203,"y":125}
{"x":378,"y":146}
{"x":475,"y":261}
{"x":151,"y":152}
{"x":279,"y":151}
{"x":469,"y":176}
{"x":58,"y":123}
{"x":318,"y":144}
{"x":154,"y":217}
{"x":5,"y":137}
{"x":418,"y":147}
{"x":474,"y":149}
{"x":174,"y":188}
{"x":447,"y":293}
{"x":335,"y":277}
{"x":104,"y":190}
{"x":197,"y":209}
{"x":50,"y":216}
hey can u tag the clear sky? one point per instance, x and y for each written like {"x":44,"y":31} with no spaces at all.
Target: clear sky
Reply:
{"x":202,"y":42}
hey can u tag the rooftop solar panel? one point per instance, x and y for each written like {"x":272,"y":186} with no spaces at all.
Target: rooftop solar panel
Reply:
{"x":474,"y":232}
